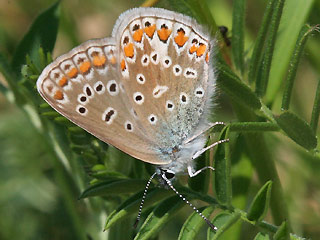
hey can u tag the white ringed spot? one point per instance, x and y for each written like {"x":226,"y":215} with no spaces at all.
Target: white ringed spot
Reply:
{"x":159,"y":90}
{"x":109,"y":115}
{"x":166,"y":61}
{"x":140,"y":78}
{"x":82,"y":98}
{"x":112,"y":87}
{"x":82,"y":110}
{"x":169,"y":105}
{"x":190,"y":73}
{"x":154,"y":57}
{"x":87,"y":89}
{"x":152,"y":119}
{"x":145,"y":60}
{"x":199,"y":92}
{"x":177,"y":70}
{"x":138,"y":98}
{"x":99,"y":87}
{"x":128,"y":126}
{"x":184,"y":98}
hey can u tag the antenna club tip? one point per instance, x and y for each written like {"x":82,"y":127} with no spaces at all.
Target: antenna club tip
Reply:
{"x":213,"y":227}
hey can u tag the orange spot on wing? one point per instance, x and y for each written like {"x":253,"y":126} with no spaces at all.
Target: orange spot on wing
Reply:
{"x":84,"y":67}
{"x":63,"y":81}
{"x":193,"y":49}
{"x":123,"y":65}
{"x":150,"y":30}
{"x":207,"y":57}
{"x":181,"y":39}
{"x":99,"y":61}
{"x":164,"y":33}
{"x":113,"y":60}
{"x":73,"y":72}
{"x":201,"y":49}
{"x":58,"y":95}
{"x":137,"y":35}
{"x":129,"y":50}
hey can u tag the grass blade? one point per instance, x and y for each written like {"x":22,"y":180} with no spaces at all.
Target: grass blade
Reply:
{"x":257,"y":53}
{"x":295,"y":15}
{"x":305,"y":32}
{"x":238,"y":33}
{"x":262,"y":83}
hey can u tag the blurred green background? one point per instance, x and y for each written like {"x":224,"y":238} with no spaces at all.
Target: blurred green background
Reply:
{"x":32,"y":200}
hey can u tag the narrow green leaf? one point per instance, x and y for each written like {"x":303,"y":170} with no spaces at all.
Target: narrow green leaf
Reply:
{"x":282,"y":233}
{"x":315,"y":110}
{"x":295,"y":15}
{"x":222,"y":174}
{"x":42,"y":33}
{"x":231,"y":84}
{"x":238,"y":20}
{"x":257,"y":53}
{"x":222,"y":221}
{"x":297,"y":129}
{"x":131,"y":205}
{"x":113,"y":187}
{"x":262,"y":83}
{"x":305,"y":32}
{"x":159,"y":217}
{"x":260,"y":203}
{"x":262,"y":236}
{"x":193,"y":224}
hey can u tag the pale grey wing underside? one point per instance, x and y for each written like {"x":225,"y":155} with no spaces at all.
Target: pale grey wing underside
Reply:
{"x":84,"y":86}
{"x":166,"y":74}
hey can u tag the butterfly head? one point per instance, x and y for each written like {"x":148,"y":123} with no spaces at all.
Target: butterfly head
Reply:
{"x":165,"y":175}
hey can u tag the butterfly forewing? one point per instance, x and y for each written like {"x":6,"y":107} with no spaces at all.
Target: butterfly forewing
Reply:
{"x":84,"y":86}
{"x":164,"y":66}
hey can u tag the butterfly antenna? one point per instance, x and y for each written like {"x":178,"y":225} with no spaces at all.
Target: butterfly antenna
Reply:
{"x":142,"y":200}
{"x":214,"y":228}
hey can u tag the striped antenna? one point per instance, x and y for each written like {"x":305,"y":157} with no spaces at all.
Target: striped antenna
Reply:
{"x":214,"y":228}
{"x":142,"y":200}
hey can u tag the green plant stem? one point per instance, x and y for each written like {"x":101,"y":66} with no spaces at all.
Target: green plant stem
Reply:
{"x":253,"y":127}
{"x":265,"y":166}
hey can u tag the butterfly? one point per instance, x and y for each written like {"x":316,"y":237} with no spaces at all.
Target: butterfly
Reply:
{"x":147,"y":90}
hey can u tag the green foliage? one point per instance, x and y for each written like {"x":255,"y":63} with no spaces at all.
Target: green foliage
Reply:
{"x":113,"y":182}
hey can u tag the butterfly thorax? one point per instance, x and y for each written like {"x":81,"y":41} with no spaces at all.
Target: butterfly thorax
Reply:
{"x":181,"y":156}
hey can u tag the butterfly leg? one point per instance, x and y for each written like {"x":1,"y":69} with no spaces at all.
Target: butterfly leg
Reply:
{"x":193,"y":174}
{"x":211,"y":125}
{"x":197,"y":154}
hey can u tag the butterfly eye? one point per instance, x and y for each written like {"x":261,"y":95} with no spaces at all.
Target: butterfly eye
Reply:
{"x":169,"y":174}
